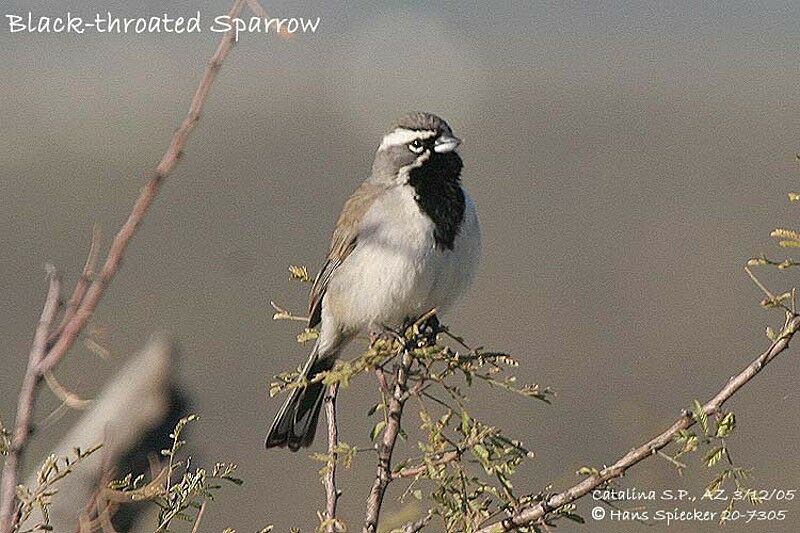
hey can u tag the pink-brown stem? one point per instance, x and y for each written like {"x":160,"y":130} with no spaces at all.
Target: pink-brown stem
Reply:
{"x":331,"y":492}
{"x":532,"y":514}
{"x":41,"y":359}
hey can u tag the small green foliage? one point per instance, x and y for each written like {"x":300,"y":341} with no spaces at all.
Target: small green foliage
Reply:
{"x":308,"y":334}
{"x":568,"y":511}
{"x":714,"y":442}
{"x":762,"y":260}
{"x":53,"y":470}
{"x":464,"y":497}
{"x":713,"y":456}
{"x":787,"y":238}
{"x":178,"y":490}
{"x":700,"y":416}
{"x":377,"y":429}
{"x":299,"y":273}
{"x":726,"y":425}
{"x":688,"y":440}
{"x":343,"y":454}
{"x":468,"y":464}
{"x":326,"y":524}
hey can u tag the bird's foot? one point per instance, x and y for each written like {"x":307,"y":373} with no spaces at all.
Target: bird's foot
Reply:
{"x":426,"y":332}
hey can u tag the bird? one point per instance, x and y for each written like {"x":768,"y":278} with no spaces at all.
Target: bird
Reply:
{"x":407,"y":240}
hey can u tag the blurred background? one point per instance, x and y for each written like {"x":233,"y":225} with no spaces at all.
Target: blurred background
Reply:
{"x":626,"y":159}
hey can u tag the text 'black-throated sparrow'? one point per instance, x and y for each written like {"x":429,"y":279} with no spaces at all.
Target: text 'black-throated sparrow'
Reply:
{"x":407,"y":240}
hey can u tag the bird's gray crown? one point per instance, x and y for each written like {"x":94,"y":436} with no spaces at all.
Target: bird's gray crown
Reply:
{"x":420,"y":120}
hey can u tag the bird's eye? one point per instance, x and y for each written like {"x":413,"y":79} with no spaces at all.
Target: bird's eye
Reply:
{"x":416,"y":146}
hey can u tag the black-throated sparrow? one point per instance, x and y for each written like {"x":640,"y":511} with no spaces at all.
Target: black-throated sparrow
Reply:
{"x":407,"y":240}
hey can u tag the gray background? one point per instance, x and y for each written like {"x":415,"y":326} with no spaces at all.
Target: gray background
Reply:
{"x":626,"y":158}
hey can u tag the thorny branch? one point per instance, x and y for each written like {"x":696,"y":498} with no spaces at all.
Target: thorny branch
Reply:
{"x":50,"y":347}
{"x":385,"y":448}
{"x":531,"y":515}
{"x":24,"y":421}
{"x":331,"y":492}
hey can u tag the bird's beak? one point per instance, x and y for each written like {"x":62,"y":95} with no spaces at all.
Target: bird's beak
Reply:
{"x":446,"y":144}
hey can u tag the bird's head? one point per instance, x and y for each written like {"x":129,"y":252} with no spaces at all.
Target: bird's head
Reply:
{"x":418,"y":141}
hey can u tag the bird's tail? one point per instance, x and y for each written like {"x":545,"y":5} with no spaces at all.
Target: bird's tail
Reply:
{"x":296,"y":423}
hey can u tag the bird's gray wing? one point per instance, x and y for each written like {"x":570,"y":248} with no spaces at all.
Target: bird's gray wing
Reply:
{"x":343,"y":242}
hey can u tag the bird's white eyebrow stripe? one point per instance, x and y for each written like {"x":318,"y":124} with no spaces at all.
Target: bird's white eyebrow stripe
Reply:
{"x":402,"y":136}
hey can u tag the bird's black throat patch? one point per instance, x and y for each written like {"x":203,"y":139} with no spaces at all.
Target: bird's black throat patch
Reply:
{"x":437,"y":187}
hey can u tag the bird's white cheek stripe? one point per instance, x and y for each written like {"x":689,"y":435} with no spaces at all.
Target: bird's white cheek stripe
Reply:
{"x":404,"y":173}
{"x":403,"y":136}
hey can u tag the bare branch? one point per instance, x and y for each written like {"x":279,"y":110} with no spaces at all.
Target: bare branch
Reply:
{"x":199,"y":517}
{"x":67,"y":397}
{"x":140,"y":208}
{"x":128,"y":417}
{"x":532,"y":514}
{"x":87,"y":274}
{"x":331,"y":492}
{"x":386,"y":447}
{"x":42,"y":359}
{"x":24,"y":421}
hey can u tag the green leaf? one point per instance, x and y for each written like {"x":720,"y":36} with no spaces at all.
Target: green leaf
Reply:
{"x":691,"y":444}
{"x":782,"y":233}
{"x":714,"y":456}
{"x":376,"y":430}
{"x":299,"y":273}
{"x":308,"y":334}
{"x":480,"y":451}
{"x":726,"y":425}
{"x":700,"y":416}
{"x":465,"y":422}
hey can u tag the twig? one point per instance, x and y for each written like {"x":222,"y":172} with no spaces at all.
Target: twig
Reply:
{"x":382,"y":383}
{"x":532,"y":514}
{"x":87,"y":274}
{"x":140,"y":208}
{"x":199,"y":517}
{"x":414,"y":471}
{"x":331,"y":493}
{"x":96,"y":505}
{"x":68,"y":398}
{"x":24,"y":421}
{"x":386,"y":447}
{"x":42,"y":359}
{"x":284,"y":314}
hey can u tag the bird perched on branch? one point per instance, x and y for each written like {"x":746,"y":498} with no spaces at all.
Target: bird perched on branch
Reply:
{"x":407,"y":240}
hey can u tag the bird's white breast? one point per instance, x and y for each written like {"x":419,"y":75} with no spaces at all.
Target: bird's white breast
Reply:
{"x":396,"y":271}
